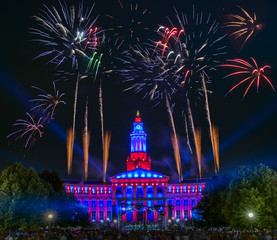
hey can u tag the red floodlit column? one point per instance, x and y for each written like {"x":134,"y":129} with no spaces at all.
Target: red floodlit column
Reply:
{"x":124,"y":196}
{"x":89,"y":209}
{"x":189,"y":208}
{"x":134,"y":203}
{"x":97,"y":210}
{"x":165,"y":204}
{"x":114,"y":194}
{"x":155,"y":202}
{"x":181,"y":209}
{"x":105,"y":210}
{"x":145,"y":201}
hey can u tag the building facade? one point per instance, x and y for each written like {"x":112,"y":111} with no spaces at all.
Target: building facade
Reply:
{"x":139,"y":194}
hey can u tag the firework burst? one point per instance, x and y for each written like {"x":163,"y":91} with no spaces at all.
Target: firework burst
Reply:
{"x":48,"y":102}
{"x":243,"y":26}
{"x":29,"y":130}
{"x":197,"y":46}
{"x":252,"y":72}
{"x":129,"y":22}
{"x":149,"y":72}
{"x":66,"y":33}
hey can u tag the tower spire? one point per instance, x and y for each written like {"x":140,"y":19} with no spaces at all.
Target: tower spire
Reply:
{"x":138,"y":156}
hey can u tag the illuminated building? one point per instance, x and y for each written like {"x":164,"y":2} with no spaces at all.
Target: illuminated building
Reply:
{"x":139,"y":194}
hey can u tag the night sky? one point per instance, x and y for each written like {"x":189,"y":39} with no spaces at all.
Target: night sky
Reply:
{"x":247,"y":128}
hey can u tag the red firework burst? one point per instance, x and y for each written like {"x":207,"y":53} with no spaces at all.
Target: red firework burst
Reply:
{"x":252,"y":72}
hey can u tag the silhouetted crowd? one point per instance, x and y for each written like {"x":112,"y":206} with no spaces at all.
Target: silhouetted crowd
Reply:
{"x":114,"y":234}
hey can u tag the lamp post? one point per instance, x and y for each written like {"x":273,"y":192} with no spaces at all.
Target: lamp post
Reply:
{"x":50,"y":216}
{"x":251,"y":215}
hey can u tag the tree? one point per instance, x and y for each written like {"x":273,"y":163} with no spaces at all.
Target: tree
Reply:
{"x":252,"y":190}
{"x":209,"y":209}
{"x":22,"y":197}
{"x":26,"y":198}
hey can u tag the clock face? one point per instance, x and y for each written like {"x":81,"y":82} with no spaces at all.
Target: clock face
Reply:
{"x":138,"y":127}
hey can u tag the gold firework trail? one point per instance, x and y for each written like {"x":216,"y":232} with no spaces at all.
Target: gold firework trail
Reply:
{"x":107,"y":141}
{"x":174,"y":141}
{"x":69,"y":148}
{"x":196,"y":138}
{"x":216,"y":146}
{"x":210,"y":122}
{"x":86,"y":141}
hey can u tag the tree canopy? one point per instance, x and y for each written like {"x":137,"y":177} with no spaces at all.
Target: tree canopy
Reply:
{"x":252,"y":190}
{"x":27,"y":197}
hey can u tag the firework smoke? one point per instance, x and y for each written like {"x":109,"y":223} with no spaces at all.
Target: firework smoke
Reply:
{"x":69,"y":148}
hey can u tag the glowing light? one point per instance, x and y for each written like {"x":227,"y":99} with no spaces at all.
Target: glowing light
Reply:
{"x":252,"y":72}
{"x":250,"y":215}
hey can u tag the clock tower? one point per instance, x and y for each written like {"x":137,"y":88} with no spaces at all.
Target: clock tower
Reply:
{"x":138,"y":153}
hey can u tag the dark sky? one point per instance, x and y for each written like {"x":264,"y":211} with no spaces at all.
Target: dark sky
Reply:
{"x":247,"y":128}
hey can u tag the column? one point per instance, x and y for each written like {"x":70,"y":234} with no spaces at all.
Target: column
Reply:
{"x":134,"y":204}
{"x":124,"y":196}
{"x":114,"y":195}
{"x":145,"y":202}
{"x":97,"y":210}
{"x":165,"y":203}
{"x":155,"y":202}
{"x":181,"y":210}
{"x":105,"y":210}
{"x":189,"y":209}
{"x":89,"y":209}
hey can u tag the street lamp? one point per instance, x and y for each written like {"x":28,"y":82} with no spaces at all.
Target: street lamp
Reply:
{"x":251,"y":215}
{"x":50,"y":216}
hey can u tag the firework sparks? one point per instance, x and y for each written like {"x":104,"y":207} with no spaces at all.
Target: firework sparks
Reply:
{"x":129,"y":22}
{"x":175,"y":143}
{"x":196,"y":137}
{"x":86,"y":140}
{"x":216,"y":147}
{"x":243,"y":26}
{"x":66,"y":33}
{"x":150,"y":74}
{"x":197,"y":47}
{"x":167,"y":35}
{"x":107,"y":141}
{"x":252,"y":72}
{"x":69,"y":148}
{"x":198,"y":150}
{"x":48,"y":102}
{"x":29,"y":129}
{"x":213,"y":138}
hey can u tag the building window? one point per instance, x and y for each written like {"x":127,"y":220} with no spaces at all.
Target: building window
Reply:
{"x":109,"y":215}
{"x":101,"y":203}
{"x":93,"y":216}
{"x":200,"y":189}
{"x":169,"y":189}
{"x":178,"y":214}
{"x":109,"y":203}
{"x":86,"y":189}
{"x":86,"y":203}
{"x":72,"y":189}
{"x":186,"y":215}
{"x":193,"y":202}
{"x":178,"y":203}
{"x":79,"y":190}
{"x":185,"y":202}
{"x":93,"y":190}
{"x":185,"y":189}
{"x":192,"y":188}
{"x":101,"y":190}
{"x":93,"y":203}
{"x":101,"y":215}
{"x":177,"y":189}
{"x":169,"y":202}
{"x":110,"y":190}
